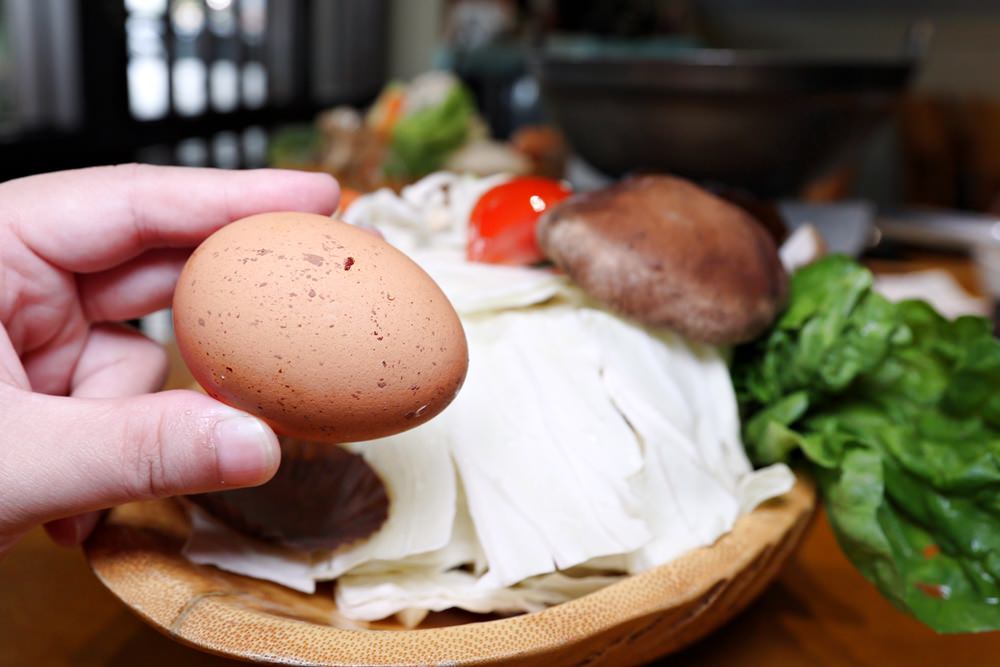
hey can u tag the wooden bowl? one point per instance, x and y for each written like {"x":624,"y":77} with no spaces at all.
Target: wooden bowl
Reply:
{"x":136,"y":553}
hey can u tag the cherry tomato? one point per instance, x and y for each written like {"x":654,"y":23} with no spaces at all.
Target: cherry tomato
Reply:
{"x":502,"y":224}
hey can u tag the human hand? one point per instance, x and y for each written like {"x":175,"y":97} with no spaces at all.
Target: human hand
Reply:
{"x":81,"y":251}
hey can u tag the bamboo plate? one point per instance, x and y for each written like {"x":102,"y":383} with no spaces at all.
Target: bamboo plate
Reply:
{"x":136,"y":554}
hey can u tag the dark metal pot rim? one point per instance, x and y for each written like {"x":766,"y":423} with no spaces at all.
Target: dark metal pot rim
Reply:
{"x":724,"y":71}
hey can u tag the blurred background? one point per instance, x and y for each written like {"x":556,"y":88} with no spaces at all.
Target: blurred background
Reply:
{"x":213,"y":82}
{"x":860,"y":113}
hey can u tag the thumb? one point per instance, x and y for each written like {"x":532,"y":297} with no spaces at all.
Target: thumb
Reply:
{"x":62,"y":456}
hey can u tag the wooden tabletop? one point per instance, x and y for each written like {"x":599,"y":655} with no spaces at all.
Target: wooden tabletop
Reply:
{"x":821,"y":612}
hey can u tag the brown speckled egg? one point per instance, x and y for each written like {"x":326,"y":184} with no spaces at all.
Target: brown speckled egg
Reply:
{"x":323,"y":330}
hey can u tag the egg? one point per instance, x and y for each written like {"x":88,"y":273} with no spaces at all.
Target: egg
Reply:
{"x":323,"y":330}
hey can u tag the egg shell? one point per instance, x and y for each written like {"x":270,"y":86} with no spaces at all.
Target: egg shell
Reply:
{"x":323,"y":330}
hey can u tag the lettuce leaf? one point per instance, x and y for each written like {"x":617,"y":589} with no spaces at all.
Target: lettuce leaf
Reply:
{"x":897,"y":411}
{"x":422,"y":141}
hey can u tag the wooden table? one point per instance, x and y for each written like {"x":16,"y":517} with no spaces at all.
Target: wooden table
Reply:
{"x":821,"y":612}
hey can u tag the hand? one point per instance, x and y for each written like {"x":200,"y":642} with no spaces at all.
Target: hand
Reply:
{"x":81,"y":251}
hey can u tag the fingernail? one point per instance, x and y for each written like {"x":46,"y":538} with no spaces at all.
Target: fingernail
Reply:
{"x":247,"y":450}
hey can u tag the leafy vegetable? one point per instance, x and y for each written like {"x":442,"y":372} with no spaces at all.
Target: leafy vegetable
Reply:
{"x":423,"y":140}
{"x":295,"y":146}
{"x":898,"y":411}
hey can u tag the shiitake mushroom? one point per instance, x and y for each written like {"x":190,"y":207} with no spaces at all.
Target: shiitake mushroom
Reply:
{"x":322,"y":497}
{"x":665,"y":252}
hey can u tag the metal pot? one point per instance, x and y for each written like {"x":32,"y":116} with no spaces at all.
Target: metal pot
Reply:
{"x":763,"y":121}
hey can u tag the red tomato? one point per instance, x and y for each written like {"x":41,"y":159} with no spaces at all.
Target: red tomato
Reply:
{"x":502,"y":224}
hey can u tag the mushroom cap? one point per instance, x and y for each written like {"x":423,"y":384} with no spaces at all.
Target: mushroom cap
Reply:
{"x":665,"y":252}
{"x":322,"y":497}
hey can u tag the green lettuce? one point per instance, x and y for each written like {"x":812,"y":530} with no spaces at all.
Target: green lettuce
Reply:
{"x":423,"y":140}
{"x":897,"y":412}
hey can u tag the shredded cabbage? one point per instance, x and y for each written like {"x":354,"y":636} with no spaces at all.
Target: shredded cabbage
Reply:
{"x":581,"y":448}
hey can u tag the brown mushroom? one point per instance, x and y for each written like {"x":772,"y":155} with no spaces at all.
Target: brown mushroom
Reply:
{"x":322,"y":497}
{"x":667,"y":253}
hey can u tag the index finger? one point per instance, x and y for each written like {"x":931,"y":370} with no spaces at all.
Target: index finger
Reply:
{"x":92,"y":219}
